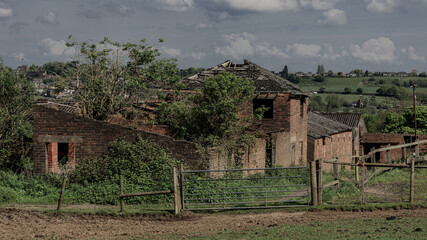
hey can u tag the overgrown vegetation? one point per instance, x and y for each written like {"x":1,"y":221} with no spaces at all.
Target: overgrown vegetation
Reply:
{"x":16,"y":99}
{"x":110,"y":75}
{"x":210,"y":116}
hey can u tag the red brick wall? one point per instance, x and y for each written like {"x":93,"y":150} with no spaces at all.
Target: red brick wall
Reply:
{"x":96,"y":137}
{"x":381,"y":140}
{"x":287,"y":128}
{"x":338,"y":145}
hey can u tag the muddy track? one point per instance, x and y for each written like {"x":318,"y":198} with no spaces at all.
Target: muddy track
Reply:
{"x":27,"y":224}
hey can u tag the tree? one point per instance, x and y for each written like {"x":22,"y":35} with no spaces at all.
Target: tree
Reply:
{"x":284,"y":72}
{"x":110,"y":75}
{"x":348,"y":90}
{"x":404,"y":122}
{"x":330,"y":73}
{"x":211,"y":116}
{"x":359,"y":90}
{"x":16,"y":100}
{"x":320,"y":70}
{"x":319,"y":78}
{"x":316,"y":103}
{"x":322,"y":89}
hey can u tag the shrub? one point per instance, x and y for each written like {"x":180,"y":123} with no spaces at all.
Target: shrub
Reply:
{"x":140,"y":162}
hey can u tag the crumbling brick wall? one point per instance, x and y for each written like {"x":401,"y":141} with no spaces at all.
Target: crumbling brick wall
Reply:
{"x":382,"y":140}
{"x":87,"y":138}
{"x":328,"y":147}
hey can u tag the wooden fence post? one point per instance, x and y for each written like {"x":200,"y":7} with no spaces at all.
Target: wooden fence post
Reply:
{"x":319,"y":182}
{"x":61,"y":195}
{"x":412,"y":181}
{"x":122,"y":203}
{"x":388,"y":154}
{"x":181,"y":184}
{"x":362,"y":184}
{"x":404,"y":154}
{"x":356,"y":168}
{"x":176,"y":192}
{"x":335,"y":170}
{"x":313,"y":183}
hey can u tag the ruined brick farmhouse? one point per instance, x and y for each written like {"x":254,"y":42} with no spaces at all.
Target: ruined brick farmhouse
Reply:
{"x":60,"y":132}
{"x":292,"y":135}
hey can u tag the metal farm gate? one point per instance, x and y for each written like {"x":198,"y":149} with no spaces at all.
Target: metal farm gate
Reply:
{"x":245,"y":188}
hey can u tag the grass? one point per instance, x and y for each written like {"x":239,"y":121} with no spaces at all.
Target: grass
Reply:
{"x":378,"y":228}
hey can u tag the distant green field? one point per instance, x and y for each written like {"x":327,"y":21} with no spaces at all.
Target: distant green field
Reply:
{"x":337,"y":84}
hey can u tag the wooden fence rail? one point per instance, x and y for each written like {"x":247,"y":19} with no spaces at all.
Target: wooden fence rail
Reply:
{"x":362,"y":180}
{"x":175,"y":191}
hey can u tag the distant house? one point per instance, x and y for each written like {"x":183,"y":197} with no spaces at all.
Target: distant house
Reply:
{"x":327,"y":139}
{"x":402,"y":74}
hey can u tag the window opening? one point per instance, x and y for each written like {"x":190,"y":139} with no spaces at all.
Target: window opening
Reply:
{"x":63,"y":150}
{"x":266,"y":103}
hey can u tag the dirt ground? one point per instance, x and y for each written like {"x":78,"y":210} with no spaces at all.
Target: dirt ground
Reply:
{"x":30,"y":224}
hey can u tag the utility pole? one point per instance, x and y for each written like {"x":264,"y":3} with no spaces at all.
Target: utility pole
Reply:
{"x":415,"y":110}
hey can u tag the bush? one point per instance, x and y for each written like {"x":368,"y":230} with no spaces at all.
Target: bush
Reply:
{"x":141,"y":163}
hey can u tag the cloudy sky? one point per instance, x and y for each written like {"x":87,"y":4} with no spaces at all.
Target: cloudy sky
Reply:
{"x":376,"y":35}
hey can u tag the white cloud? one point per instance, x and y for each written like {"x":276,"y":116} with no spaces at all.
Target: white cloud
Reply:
{"x":118,"y":9}
{"x":171,"y":51}
{"x":265,"y":49}
{"x":56,"y":48}
{"x":304,"y":50}
{"x":319,"y":4}
{"x":374,"y":50}
{"x":175,"y":5}
{"x":5,"y":12}
{"x":328,"y":52}
{"x":381,"y":6}
{"x":246,"y":45}
{"x":19,"y":57}
{"x":197,"y":55}
{"x":333,"y":17}
{"x":49,"y":18}
{"x":239,"y":45}
{"x":175,"y":53}
{"x":413,"y":56}
{"x":260,"y":6}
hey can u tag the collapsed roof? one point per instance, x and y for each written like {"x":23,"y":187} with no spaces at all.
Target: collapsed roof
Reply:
{"x":264,"y":80}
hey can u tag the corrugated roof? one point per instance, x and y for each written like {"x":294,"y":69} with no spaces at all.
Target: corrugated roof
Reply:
{"x":319,"y":126}
{"x":264,"y":80}
{"x":350,"y":119}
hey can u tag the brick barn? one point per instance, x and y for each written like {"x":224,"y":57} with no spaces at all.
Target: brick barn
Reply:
{"x":61,"y":132}
{"x":285,"y":122}
{"x":328,"y":138}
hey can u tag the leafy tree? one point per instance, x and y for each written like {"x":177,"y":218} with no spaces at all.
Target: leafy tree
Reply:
{"x":16,"y":99}
{"x":330,"y":73}
{"x":110,"y":75}
{"x":348,"y":90}
{"x":322,"y":89}
{"x":316,"y":103}
{"x":320,"y":70}
{"x":211,"y":115}
{"x":333,"y":101}
{"x":319,"y":78}
{"x":284,"y":72}
{"x":359,"y":90}
{"x":293,"y":78}
{"x":404,"y":123}
{"x":393,"y":91}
